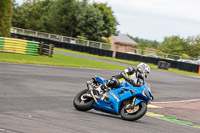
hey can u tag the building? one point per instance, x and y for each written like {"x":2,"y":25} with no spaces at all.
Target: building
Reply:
{"x":122,"y":43}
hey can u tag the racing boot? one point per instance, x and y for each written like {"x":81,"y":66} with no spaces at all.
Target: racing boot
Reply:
{"x":104,"y":87}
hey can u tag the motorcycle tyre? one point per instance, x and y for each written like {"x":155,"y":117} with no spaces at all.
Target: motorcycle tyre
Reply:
{"x":82,"y":107}
{"x":139,"y":114}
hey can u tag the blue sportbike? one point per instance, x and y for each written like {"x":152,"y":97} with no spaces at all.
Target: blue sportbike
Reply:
{"x":128,"y":101}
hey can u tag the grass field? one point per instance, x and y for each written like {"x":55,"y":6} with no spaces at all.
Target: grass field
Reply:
{"x":57,"y":60}
{"x":135,"y":63}
{"x":68,"y":61}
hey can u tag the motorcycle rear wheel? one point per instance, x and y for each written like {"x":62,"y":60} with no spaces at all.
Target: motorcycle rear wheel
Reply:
{"x":136,"y":115}
{"x":81,"y":105}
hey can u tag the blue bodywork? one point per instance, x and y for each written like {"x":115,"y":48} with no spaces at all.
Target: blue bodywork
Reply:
{"x":118,"y":95}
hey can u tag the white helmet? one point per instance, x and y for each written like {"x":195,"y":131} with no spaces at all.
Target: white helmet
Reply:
{"x":142,"y":67}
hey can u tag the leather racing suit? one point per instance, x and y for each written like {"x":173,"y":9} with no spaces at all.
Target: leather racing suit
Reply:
{"x":128,"y":75}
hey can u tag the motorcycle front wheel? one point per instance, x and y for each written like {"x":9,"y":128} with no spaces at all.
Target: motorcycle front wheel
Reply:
{"x":134,"y":114}
{"x":83,"y":103}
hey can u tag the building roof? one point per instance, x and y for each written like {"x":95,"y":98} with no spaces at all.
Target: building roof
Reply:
{"x":124,"y":39}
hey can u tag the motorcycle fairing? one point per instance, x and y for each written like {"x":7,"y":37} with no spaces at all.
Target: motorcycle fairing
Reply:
{"x":118,"y":95}
{"x":100,"y":80}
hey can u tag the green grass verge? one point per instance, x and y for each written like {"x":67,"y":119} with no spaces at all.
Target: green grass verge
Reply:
{"x":57,"y":60}
{"x":135,"y":63}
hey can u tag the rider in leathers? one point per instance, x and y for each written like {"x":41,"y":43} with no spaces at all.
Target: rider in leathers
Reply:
{"x":130,"y":75}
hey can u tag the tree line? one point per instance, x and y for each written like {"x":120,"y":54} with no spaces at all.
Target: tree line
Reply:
{"x":177,"y":45}
{"x":142,"y":43}
{"x":83,"y":19}
{"x":74,"y":18}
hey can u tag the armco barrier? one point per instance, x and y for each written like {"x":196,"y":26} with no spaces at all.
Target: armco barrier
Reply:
{"x":18,"y":46}
{"x":75,"y":47}
{"x":131,"y":57}
{"x":174,"y":64}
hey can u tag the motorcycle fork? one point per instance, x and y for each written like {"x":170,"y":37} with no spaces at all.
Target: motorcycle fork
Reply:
{"x":132,"y":104}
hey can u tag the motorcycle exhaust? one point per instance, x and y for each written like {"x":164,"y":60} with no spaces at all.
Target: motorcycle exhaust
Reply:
{"x":90,"y":88}
{"x":91,"y":92}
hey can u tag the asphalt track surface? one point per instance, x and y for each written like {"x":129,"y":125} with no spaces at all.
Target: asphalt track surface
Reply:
{"x":38,"y":99}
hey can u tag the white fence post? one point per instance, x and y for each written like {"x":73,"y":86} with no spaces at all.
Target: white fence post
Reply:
{"x":36,"y":33}
{"x":100,"y":46}
{"x":62,"y":40}
{"x":166,"y":56}
{"x":88,"y":43}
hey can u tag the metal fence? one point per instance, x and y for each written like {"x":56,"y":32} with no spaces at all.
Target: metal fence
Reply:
{"x":156,"y":54}
{"x":99,"y":45}
{"x":60,"y":38}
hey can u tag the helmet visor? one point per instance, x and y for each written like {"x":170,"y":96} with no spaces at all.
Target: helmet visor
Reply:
{"x":146,"y":73}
